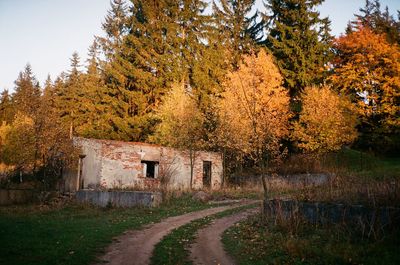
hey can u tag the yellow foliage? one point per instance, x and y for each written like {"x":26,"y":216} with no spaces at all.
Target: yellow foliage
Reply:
{"x":18,"y":142}
{"x":4,"y":131}
{"x":254,"y":109}
{"x":327,"y":121}
{"x":33,"y":142}
{"x":181,"y":120}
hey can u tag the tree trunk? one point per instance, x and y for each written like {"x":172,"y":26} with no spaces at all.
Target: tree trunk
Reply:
{"x":265,"y":185}
{"x":223,"y":168}
{"x":263,"y":175}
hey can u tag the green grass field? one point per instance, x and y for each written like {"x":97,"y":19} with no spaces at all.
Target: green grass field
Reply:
{"x":72,"y":234}
{"x":364,"y":165}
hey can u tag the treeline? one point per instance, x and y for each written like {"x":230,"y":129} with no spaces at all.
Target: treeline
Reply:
{"x":249,"y":83}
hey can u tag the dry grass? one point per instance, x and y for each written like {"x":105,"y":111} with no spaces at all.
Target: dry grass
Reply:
{"x":354,"y":190}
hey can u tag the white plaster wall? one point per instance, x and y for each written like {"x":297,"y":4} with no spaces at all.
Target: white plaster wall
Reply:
{"x":91,"y":164}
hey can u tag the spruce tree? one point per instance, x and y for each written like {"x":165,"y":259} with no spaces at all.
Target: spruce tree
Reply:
{"x":95,"y":100}
{"x":69,"y":94}
{"x":27,"y":93}
{"x":165,"y":43}
{"x":238,"y":28}
{"x":134,"y":76}
{"x":300,"y":40}
{"x":114,"y":27}
{"x":6,"y":108}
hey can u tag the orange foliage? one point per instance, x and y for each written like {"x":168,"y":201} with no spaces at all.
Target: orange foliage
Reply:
{"x":368,"y":68}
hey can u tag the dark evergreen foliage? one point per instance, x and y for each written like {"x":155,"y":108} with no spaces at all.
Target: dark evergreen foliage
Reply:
{"x":300,"y":41}
{"x":6,"y":108}
{"x":27,"y":92}
{"x":238,"y":28}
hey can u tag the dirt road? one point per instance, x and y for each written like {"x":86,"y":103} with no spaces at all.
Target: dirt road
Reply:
{"x":136,"y":247}
{"x":208,"y":248}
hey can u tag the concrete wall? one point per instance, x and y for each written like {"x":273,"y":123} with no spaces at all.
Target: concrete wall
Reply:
{"x":332,"y":213}
{"x":68,"y":182}
{"x":119,"y":198}
{"x":8,"y":197}
{"x":117,"y":165}
{"x":91,"y":168}
{"x":298,"y":181}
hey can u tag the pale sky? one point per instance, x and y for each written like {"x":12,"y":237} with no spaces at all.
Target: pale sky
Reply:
{"x":45,"y":33}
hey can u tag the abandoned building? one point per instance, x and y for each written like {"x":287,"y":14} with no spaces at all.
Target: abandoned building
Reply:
{"x":107,"y":164}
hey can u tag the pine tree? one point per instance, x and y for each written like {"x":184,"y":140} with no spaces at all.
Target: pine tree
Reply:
{"x":49,"y":96}
{"x":36,"y":142}
{"x":204,"y":57}
{"x":300,"y":40}
{"x":27,"y":93}
{"x":115,"y":28}
{"x":69,"y":94}
{"x":165,"y":43}
{"x":134,"y":76}
{"x":238,"y":28}
{"x":94,"y":99}
{"x":6,"y":108}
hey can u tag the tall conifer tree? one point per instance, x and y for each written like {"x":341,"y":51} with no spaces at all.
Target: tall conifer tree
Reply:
{"x":27,"y":92}
{"x":300,"y":40}
{"x":6,"y":108}
{"x":115,"y":28}
{"x":238,"y":28}
{"x":165,"y":43}
{"x":69,"y":94}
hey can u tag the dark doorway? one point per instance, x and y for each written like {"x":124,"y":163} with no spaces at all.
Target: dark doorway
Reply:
{"x":206,"y":174}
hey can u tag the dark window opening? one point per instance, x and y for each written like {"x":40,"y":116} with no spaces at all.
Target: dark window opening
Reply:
{"x":206,"y":174}
{"x":150,"y":169}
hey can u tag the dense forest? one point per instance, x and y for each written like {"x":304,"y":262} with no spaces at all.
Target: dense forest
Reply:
{"x":253,"y":85}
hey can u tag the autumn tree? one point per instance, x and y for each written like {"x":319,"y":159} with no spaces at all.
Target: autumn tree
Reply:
{"x":254,"y":110}
{"x":36,"y":142}
{"x":300,"y":40}
{"x":327,"y":121}
{"x":18,"y":143}
{"x":367,"y":68}
{"x":181,"y":123}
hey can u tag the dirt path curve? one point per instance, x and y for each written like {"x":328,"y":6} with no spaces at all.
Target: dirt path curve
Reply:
{"x":136,"y":247}
{"x":208,"y":248}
